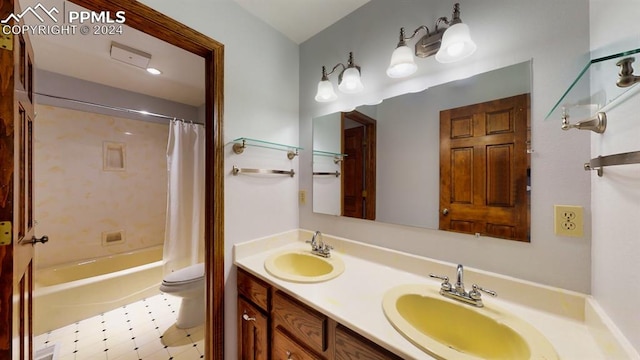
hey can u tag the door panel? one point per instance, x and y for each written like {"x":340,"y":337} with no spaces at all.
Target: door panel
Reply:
{"x":353,"y":173}
{"x":16,"y":194}
{"x":484,"y":168}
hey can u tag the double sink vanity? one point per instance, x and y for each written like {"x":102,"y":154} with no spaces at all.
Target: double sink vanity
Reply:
{"x":340,"y":299}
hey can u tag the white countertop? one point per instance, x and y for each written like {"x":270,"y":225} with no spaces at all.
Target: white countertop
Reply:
{"x":354,"y":298}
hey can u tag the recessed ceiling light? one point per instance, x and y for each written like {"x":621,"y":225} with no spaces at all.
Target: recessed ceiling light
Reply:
{"x":154,"y":71}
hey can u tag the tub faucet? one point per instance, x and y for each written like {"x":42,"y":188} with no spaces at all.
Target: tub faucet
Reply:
{"x":457,"y":291}
{"x":318,"y":247}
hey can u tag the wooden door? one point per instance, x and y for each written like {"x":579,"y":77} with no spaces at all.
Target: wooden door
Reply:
{"x":359,"y":166}
{"x":484,"y":168}
{"x":16,"y":194}
{"x":353,"y":173}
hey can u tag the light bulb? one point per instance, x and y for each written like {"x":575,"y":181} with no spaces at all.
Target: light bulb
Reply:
{"x":351,"y":82}
{"x":456,"y":44}
{"x":402,"y":63}
{"x":455,"y":49}
{"x":325,"y":92}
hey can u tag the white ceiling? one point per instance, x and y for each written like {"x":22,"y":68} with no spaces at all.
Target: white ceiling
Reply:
{"x":87,"y":57}
{"x":300,"y":19}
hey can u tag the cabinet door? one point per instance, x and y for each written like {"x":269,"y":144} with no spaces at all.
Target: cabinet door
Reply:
{"x":252,"y":332}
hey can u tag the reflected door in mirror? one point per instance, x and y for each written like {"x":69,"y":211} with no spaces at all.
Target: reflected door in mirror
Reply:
{"x":359,"y":165}
{"x":484,"y":167}
{"x":354,"y":194}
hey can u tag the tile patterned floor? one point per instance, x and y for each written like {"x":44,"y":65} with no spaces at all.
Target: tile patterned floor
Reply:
{"x":144,"y":330}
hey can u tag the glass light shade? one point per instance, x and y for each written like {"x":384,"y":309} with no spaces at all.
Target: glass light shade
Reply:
{"x":402,"y":63}
{"x":351,"y":82}
{"x":325,"y":92}
{"x":456,"y":44}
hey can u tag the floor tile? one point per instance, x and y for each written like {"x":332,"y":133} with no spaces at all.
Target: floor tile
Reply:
{"x":144,"y":330}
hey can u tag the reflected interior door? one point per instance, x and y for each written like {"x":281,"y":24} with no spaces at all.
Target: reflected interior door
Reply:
{"x":353,"y":201}
{"x":484,"y":168}
{"x":359,"y":165}
{"x":16,"y":194}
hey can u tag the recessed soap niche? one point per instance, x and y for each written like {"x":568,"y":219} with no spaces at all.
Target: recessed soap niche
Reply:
{"x":114,"y":156}
{"x":113,"y":237}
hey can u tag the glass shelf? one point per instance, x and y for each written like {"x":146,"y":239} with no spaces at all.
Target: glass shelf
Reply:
{"x":594,"y":89}
{"x":327,"y":153}
{"x":241,"y":143}
{"x":337,"y":157}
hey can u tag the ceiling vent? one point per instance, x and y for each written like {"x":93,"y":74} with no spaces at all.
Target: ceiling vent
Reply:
{"x":130,"y":55}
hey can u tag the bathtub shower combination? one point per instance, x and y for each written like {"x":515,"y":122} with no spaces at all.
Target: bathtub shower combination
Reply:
{"x":71,"y":292}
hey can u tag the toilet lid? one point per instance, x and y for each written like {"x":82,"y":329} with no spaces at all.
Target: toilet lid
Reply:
{"x":186,"y":275}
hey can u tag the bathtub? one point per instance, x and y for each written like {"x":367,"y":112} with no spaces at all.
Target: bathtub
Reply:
{"x":68,"y":293}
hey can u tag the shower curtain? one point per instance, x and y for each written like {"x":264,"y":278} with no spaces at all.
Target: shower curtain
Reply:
{"x":184,"y":230}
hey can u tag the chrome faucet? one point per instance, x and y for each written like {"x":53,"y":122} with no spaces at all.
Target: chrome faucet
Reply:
{"x":458,"y":292}
{"x":459,"y":276}
{"x":318,"y":247}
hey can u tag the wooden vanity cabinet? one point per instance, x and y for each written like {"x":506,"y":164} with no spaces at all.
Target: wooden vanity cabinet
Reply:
{"x":253,"y":332}
{"x":350,"y":345}
{"x":273,"y":325}
{"x":253,"y":318}
{"x":299,"y":322}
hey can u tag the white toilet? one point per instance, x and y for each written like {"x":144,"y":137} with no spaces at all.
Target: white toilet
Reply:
{"x":187,"y":283}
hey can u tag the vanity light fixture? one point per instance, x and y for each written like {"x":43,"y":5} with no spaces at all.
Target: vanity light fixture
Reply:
{"x":449,"y":44}
{"x":348,"y":81}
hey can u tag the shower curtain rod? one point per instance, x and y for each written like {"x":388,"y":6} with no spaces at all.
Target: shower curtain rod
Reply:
{"x":117,"y":108}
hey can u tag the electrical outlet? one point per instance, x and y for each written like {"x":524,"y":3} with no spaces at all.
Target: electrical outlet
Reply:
{"x":302,"y":197}
{"x":568,"y":220}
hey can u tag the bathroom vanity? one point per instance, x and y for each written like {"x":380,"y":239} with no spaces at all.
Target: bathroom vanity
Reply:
{"x":274,"y":325}
{"x":344,"y":317}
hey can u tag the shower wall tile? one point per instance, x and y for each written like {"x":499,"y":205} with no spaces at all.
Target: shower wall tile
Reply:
{"x":76,"y":200}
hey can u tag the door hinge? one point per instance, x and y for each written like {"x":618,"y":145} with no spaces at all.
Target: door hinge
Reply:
{"x":5,"y":233}
{"x":364,"y":193}
{"x":6,"y":41}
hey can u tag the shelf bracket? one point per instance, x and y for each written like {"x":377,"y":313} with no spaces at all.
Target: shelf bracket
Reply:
{"x":625,"y":75}
{"x":596,"y":123}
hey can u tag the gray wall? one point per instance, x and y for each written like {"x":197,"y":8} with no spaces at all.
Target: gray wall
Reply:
{"x":616,"y":195}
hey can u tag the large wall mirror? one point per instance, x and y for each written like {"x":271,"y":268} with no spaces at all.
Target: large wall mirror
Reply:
{"x":383,"y":162}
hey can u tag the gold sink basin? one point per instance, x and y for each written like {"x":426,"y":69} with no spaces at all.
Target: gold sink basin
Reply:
{"x":448,"y":329}
{"x":303,"y":266}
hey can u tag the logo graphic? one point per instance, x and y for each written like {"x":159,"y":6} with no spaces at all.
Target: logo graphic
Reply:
{"x":34,"y":12}
{"x":83,"y":22}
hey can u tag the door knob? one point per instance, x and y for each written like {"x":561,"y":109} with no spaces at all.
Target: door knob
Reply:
{"x":43,"y":239}
{"x":445,"y":211}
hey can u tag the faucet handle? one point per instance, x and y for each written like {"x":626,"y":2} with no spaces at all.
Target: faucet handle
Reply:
{"x":446,"y":285}
{"x":475,"y":292}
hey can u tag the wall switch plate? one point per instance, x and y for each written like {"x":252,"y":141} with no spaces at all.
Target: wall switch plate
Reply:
{"x":302,"y":197}
{"x":568,"y":220}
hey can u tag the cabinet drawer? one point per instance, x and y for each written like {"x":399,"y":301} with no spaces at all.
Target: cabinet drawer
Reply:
{"x":302,"y":322}
{"x":350,"y":345}
{"x":285,"y":348}
{"x":256,"y":290}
